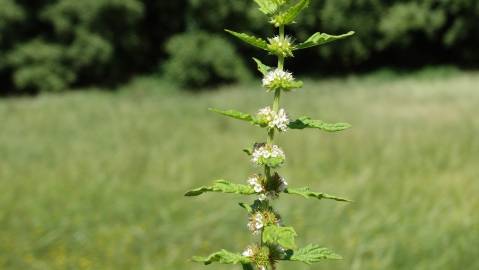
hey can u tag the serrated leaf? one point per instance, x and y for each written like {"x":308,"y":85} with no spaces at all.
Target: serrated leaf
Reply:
{"x":222,"y":186}
{"x":223,"y":257}
{"x":251,"y":40}
{"x":311,"y":254}
{"x":267,"y":6}
{"x":307,"y":122}
{"x":283,"y":236}
{"x":307,"y":193}
{"x":264,"y":69}
{"x":290,"y":14}
{"x":236,"y":115}
{"x":320,"y":39}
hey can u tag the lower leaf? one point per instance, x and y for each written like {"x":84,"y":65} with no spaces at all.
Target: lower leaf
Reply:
{"x":307,"y":122}
{"x":307,"y":193}
{"x":311,"y":254}
{"x":222,"y":186}
{"x":223,"y":257}
{"x":283,"y":236}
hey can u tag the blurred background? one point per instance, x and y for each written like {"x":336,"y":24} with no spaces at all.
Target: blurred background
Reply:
{"x":104,"y":127}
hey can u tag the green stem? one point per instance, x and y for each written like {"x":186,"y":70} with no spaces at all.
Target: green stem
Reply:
{"x":271,"y":131}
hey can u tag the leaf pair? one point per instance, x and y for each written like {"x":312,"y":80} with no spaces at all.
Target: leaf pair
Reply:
{"x":309,"y":255}
{"x":224,"y":186}
{"x":316,"y":39}
{"x":301,"y":123}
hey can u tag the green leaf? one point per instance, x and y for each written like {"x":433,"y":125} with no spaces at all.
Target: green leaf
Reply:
{"x":307,"y":122}
{"x":268,"y":6}
{"x":248,"y":151}
{"x":290,"y":14}
{"x":247,"y":207}
{"x":251,"y":40}
{"x":321,"y":38}
{"x":283,"y":236}
{"x":311,"y":254}
{"x":223,"y":257}
{"x":307,"y":193}
{"x":222,"y":186}
{"x":236,"y":115}
{"x":293,"y":85}
{"x":264,"y":69}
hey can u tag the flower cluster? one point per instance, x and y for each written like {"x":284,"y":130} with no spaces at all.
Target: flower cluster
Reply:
{"x":258,"y":255}
{"x":262,"y":217}
{"x":268,"y":190}
{"x":256,"y":181}
{"x":281,"y":46}
{"x":268,"y":155}
{"x":278,"y":79}
{"x":272,"y":119}
{"x":263,"y":256}
{"x":256,"y":223}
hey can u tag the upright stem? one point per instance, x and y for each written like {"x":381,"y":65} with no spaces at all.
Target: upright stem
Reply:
{"x":277,"y":93}
{"x":276,"y":104}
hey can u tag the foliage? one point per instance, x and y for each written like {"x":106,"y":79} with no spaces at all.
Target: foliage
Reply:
{"x":389,"y":29}
{"x":312,"y":254}
{"x":199,"y":58}
{"x":39,"y":65}
{"x":276,"y":241}
{"x":109,"y":41}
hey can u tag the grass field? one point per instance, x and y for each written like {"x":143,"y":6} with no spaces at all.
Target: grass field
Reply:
{"x":95,"y":180}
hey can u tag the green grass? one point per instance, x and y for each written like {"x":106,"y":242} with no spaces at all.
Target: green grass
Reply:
{"x":95,"y":180}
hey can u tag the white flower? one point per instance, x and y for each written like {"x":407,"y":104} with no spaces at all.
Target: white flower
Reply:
{"x":256,"y":184}
{"x":274,"y":119}
{"x":283,"y":185}
{"x":276,"y":151}
{"x":280,"y":120}
{"x":256,"y":223}
{"x":266,"y":115}
{"x":276,"y":78}
{"x":261,"y":267}
{"x":270,"y":155}
{"x":262,"y":197}
{"x":248,"y":252}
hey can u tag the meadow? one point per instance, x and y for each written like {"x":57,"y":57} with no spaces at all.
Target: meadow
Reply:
{"x":95,"y":179}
